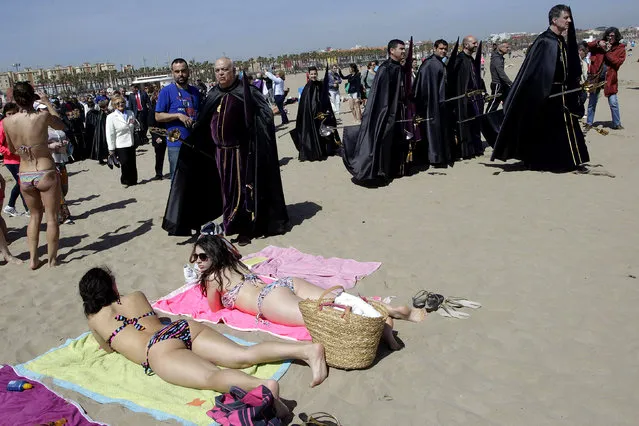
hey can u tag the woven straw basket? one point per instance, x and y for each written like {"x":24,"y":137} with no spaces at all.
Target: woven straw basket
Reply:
{"x":350,"y":340}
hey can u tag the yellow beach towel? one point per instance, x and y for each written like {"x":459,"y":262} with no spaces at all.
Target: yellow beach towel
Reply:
{"x":80,"y":365}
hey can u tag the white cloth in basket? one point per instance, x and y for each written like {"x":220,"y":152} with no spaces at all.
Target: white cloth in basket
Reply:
{"x":358,"y":305}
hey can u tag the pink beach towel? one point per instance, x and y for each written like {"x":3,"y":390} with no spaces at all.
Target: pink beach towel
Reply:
{"x":290,"y":262}
{"x":38,"y":405}
{"x":188,"y":300}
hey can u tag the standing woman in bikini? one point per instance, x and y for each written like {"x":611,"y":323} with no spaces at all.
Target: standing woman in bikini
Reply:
{"x":27,"y":134}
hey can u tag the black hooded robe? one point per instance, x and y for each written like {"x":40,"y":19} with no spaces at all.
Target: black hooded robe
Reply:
{"x":429,"y":93}
{"x":468,"y":134}
{"x":312,"y":146}
{"x":95,"y":135}
{"x":197,"y":193}
{"x":543,"y":132}
{"x":376,"y":152}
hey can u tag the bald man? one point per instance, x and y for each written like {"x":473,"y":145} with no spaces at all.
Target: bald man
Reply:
{"x":464,"y":79}
{"x":234,"y":169}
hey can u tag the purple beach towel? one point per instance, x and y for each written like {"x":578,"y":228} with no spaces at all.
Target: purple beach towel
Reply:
{"x":36,"y":406}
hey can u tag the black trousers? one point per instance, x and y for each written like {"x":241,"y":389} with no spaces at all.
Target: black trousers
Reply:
{"x":144,"y":127}
{"x":503,"y":89}
{"x":128,"y":165}
{"x":279,"y":101}
{"x":160,"y":151}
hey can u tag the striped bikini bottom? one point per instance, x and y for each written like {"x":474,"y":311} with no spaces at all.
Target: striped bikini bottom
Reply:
{"x":32,"y":179}
{"x":176,"y":330}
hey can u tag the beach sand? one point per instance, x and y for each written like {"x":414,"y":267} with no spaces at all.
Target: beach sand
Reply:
{"x":552,"y":258}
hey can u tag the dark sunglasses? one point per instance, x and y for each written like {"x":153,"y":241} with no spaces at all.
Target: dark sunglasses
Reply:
{"x":202,"y":256}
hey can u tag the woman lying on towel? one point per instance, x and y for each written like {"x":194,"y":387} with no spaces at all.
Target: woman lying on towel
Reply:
{"x":226,"y":282}
{"x":185,"y":353}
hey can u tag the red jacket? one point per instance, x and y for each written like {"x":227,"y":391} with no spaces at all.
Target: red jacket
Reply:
{"x":9,"y":158}
{"x":613,"y":60}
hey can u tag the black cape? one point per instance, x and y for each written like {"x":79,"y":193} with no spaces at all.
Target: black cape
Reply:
{"x":544,"y":132}
{"x":196,"y":196}
{"x":95,"y":135}
{"x":306,"y":136}
{"x":464,"y":79}
{"x":429,"y":92}
{"x":375,"y":151}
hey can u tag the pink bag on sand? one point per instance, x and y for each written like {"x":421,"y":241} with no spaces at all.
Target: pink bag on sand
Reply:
{"x":239,"y":408}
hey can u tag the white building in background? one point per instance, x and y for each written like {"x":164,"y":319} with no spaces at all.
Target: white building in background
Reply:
{"x":5,"y":81}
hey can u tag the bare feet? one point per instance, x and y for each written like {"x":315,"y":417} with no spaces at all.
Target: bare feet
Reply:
{"x":12,"y":259}
{"x":389,"y":338}
{"x":407,"y":313}
{"x":316,"y":359}
{"x":53,"y":262}
{"x":35,"y":263}
{"x":417,"y":315}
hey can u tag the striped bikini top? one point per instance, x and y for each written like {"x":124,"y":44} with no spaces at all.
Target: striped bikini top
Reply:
{"x":126,"y":321}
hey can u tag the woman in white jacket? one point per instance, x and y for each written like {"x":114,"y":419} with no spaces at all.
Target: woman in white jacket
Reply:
{"x":120,"y":125}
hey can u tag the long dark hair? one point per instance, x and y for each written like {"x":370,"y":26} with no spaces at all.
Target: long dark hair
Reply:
{"x":24,"y":94}
{"x":222,"y":256}
{"x":97,"y":290}
{"x":614,"y":30}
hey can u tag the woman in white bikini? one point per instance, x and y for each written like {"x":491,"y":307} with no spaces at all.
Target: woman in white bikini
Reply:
{"x":27,"y":134}
{"x":226,"y":282}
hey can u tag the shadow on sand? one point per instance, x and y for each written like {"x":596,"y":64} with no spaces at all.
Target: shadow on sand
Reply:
{"x":105,"y":208}
{"x":106,"y":241}
{"x":284,"y":161}
{"x":506,"y":167}
{"x":81,"y":200}
{"x":299,"y":212}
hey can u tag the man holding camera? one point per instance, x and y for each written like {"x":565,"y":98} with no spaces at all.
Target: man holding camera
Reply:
{"x":606,"y":57}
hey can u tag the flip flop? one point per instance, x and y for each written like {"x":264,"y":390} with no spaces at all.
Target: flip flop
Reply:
{"x":427,"y":300}
{"x":460,"y":302}
{"x":321,"y":418}
{"x":450,"y":312}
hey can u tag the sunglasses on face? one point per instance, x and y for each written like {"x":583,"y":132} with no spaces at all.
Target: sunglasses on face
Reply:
{"x":202,"y":256}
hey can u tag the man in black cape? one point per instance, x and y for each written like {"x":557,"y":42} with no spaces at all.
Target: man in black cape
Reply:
{"x":95,"y":132}
{"x":465,"y":79}
{"x":315,"y":109}
{"x":541,"y":130}
{"x":230,"y":165}
{"x":376,"y":151}
{"x":429,"y":93}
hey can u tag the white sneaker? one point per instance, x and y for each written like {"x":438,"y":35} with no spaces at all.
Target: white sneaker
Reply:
{"x":27,"y":213}
{"x":11,"y":211}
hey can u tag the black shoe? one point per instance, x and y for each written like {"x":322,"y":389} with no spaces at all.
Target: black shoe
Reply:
{"x":243,"y":240}
{"x":157,"y":177}
{"x":618,"y":127}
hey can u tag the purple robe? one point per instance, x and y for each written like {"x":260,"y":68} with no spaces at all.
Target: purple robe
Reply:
{"x":229,"y":135}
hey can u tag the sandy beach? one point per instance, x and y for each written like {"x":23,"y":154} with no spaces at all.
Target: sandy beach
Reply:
{"x":553,"y":258}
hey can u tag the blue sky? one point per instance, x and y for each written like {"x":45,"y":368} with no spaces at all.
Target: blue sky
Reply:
{"x":42,"y":33}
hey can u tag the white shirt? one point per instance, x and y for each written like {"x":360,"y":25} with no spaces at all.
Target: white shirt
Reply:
{"x":119,"y":129}
{"x":278,"y":84}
